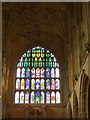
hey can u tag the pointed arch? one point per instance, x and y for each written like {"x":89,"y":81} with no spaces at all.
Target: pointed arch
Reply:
{"x":38,"y":77}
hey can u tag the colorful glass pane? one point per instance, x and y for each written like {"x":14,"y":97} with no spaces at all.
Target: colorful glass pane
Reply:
{"x":37,"y":97}
{"x":38,"y":74}
{"x":52,"y":72}
{"x":42,"y":84}
{"x":27,"y":83}
{"x":22,"y":84}
{"x":27,"y":72}
{"x":48,"y":74}
{"x":32,"y":67}
{"x":33,"y":84}
{"x":17,"y":97}
{"x":32,"y":97}
{"x":23,"y":72}
{"x":57,"y":84}
{"x":52,"y":84}
{"x":18,"y":84}
{"x":33,"y":72}
{"x":42,"y":72}
{"x":37,"y":84}
{"x":26,"y":97}
{"x":48,"y":97}
{"x":47,"y":84}
{"x":57,"y":97}
{"x":22,"y":97}
{"x":18,"y":72}
{"x":57,"y":72}
{"x":52,"y":97}
{"x":42,"y":97}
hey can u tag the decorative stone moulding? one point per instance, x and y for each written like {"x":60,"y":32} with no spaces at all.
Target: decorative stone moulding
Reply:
{"x":87,"y":46}
{"x":36,"y":109}
{"x":75,"y":77}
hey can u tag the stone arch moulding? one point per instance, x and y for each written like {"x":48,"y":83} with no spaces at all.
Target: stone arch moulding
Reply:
{"x":75,"y":105}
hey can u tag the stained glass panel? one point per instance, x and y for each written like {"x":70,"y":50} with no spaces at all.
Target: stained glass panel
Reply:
{"x":57,"y":72}
{"x":57,"y":97}
{"x":57,"y":84}
{"x":26,"y":97}
{"x":18,"y":72}
{"x":47,"y":84}
{"x":32,"y":97}
{"x":37,"y":84}
{"x":27,"y":83}
{"x":52,"y":84}
{"x":48,"y":72}
{"x":52,"y":72}
{"x":33,"y":72}
{"x":18,"y":84}
{"x":38,"y":74}
{"x":22,"y":84}
{"x":27,"y":72}
{"x":33,"y":84}
{"x":42,"y":84}
{"x":23,"y":72}
{"x":42,"y":97}
{"x":22,"y":97}
{"x":37,"y":97}
{"x":17,"y":97}
{"x":48,"y":97}
{"x":42,"y":72}
{"x":52,"y":97}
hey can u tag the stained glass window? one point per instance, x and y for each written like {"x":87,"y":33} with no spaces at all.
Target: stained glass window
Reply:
{"x":37,"y":77}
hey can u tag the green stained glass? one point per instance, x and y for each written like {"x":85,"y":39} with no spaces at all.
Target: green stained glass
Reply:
{"x":50,"y":59}
{"x":33,"y":54}
{"x":26,"y":59}
{"x":25,"y":64}
{"x":28,"y":54}
{"x":22,"y":64}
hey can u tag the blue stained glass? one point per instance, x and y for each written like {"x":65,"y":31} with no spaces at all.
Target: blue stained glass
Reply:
{"x":37,"y":97}
{"x":47,"y":84}
{"x":48,"y":72}
{"x":26,"y":97}
{"x":37,"y":84}
{"x":27,"y":72}
{"x":27,"y":84}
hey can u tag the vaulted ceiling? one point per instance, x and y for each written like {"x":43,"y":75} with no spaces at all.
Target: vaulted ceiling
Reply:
{"x":35,"y":23}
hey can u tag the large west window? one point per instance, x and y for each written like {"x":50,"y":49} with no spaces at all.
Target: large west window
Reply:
{"x":37,"y":77}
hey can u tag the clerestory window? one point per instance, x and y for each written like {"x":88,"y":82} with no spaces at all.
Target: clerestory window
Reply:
{"x":37,"y":77}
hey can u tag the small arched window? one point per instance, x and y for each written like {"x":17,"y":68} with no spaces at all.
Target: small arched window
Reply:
{"x":37,"y":77}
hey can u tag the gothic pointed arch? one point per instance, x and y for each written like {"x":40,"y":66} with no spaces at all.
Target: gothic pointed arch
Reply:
{"x":37,"y":77}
